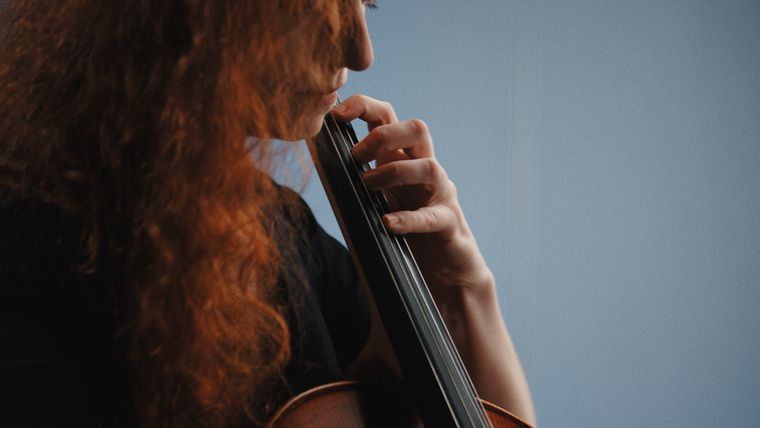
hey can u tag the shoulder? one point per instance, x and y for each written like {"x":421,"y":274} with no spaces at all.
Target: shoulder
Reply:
{"x":334,"y":282}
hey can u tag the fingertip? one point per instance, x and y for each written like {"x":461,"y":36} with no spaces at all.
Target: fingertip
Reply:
{"x":361,"y":152}
{"x":340,"y":110}
{"x":392,"y":222}
{"x":345,"y":113}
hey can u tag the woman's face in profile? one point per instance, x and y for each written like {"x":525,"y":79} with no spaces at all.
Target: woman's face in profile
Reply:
{"x":315,"y":99}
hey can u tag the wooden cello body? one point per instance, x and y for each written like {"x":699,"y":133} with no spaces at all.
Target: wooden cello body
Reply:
{"x":436,"y":391}
{"x":356,"y":404}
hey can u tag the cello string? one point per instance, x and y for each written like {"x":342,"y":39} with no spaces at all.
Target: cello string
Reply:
{"x":397,"y":286}
{"x":447,"y":342}
{"x":454,"y":352}
{"x":424,"y":302}
{"x":442,"y":340}
{"x":366,"y":217}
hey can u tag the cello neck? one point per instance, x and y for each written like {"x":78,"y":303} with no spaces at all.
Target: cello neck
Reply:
{"x":437,"y":379}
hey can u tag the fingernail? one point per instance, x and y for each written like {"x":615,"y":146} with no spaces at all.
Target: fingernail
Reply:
{"x":340,"y":108}
{"x":392,"y":219}
{"x":357,"y":148}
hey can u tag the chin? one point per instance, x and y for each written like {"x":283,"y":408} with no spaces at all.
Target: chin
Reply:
{"x":315,"y":126}
{"x":307,"y":128}
{"x":307,"y":117}
{"x":312,"y":122}
{"x":321,"y":107}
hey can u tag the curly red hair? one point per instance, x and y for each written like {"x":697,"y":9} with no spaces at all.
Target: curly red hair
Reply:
{"x":134,"y":118}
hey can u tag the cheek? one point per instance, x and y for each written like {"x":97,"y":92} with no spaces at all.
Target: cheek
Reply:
{"x":304,"y":118}
{"x":314,"y":109}
{"x":314,"y":117}
{"x":314,"y":126}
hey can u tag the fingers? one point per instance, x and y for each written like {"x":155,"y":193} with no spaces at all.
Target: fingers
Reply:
{"x":433,"y":219}
{"x":370,"y":110}
{"x":420,"y":194}
{"x":425,"y":171}
{"x":414,"y":182}
{"x":386,"y":134}
{"x":412,"y":137}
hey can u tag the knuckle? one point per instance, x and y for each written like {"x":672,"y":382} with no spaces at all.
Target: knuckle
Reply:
{"x":353,"y":100}
{"x":394,"y":169}
{"x":434,"y":170}
{"x":361,"y":98}
{"x":451,"y":188}
{"x":380,"y":133}
{"x":420,"y":128}
{"x":430,"y":219}
{"x":388,"y":112}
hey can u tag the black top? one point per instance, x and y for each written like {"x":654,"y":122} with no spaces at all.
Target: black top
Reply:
{"x":58,"y":366}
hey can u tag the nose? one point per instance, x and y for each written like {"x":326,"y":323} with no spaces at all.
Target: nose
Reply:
{"x":358,"y":49}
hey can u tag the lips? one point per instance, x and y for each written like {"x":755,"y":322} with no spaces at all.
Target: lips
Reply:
{"x":334,"y":88}
{"x":338,"y":82}
{"x":319,"y":92}
{"x":324,"y":99}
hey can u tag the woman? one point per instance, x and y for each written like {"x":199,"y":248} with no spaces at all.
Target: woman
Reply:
{"x":153,"y":274}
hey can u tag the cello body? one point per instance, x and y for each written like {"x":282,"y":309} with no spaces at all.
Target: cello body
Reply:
{"x":356,"y":404}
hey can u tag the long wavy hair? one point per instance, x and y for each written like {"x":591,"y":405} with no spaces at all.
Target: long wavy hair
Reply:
{"x":135,"y":118}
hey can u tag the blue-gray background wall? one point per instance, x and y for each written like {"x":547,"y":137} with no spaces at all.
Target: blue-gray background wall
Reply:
{"x":607,"y":156}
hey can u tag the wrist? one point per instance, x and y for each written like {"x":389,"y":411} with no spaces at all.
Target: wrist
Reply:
{"x":461,"y":306}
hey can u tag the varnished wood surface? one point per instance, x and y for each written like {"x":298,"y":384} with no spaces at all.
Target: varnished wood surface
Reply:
{"x":500,"y":418}
{"x":354,"y":404}
{"x":347,"y":404}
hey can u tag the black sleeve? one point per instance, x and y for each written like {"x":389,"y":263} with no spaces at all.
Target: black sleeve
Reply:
{"x":342,"y":301}
{"x":338,"y":290}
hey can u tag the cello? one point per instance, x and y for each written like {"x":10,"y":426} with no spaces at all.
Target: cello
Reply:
{"x":436,"y":390}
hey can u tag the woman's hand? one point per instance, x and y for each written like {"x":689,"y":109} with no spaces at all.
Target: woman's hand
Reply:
{"x":424,"y":208}
{"x":423,"y":201}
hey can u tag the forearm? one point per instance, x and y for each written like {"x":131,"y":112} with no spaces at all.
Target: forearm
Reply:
{"x":474,"y":321}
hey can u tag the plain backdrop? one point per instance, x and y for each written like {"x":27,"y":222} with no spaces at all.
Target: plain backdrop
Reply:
{"x":607,"y":157}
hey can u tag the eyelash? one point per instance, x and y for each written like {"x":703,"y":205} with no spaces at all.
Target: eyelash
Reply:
{"x":370,"y":4}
